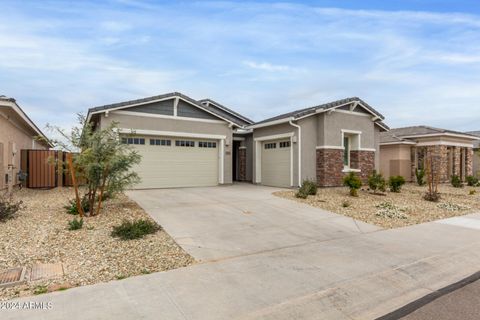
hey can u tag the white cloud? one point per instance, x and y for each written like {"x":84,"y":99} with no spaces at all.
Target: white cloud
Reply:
{"x":265,"y":66}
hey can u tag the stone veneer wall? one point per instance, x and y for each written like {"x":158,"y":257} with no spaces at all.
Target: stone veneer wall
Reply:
{"x":469,"y":161}
{"x":242,"y":164}
{"x":330,"y":166}
{"x":363,"y":160}
{"x":440,"y":154}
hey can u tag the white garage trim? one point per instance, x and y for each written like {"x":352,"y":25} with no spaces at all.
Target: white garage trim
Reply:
{"x":275,"y":136}
{"x":171,"y":134}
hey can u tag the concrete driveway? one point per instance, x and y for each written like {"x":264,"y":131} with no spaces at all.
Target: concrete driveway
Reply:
{"x":224,"y":222}
{"x":268,"y":258}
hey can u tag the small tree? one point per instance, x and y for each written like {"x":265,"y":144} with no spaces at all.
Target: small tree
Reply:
{"x":353,"y":182}
{"x":376,"y":182}
{"x":101,"y":160}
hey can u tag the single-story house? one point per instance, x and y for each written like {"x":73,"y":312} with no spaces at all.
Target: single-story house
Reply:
{"x":476,"y":154}
{"x":403,"y":150}
{"x":17,"y":132}
{"x":186,"y":142}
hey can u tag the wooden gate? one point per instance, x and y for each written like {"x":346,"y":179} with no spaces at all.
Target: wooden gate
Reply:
{"x":44,"y":169}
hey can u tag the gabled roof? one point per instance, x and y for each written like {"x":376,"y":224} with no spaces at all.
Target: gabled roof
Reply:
{"x":325,"y":107}
{"x":12,"y":104}
{"x":405,"y":134}
{"x":222,"y":114}
{"x":226,"y":111}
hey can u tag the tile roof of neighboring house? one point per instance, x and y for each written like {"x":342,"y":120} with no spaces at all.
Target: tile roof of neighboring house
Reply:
{"x":12,"y":103}
{"x":476,"y":144}
{"x":230,"y":111}
{"x":225,"y":114}
{"x":306,"y":111}
{"x":402,"y":134}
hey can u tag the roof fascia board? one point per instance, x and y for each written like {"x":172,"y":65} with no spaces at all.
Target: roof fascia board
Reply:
{"x":399,"y":142}
{"x":270,"y":123}
{"x":447,"y":134}
{"x":237,"y":115}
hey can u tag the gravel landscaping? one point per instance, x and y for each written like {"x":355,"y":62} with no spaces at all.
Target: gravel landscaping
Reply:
{"x":394,"y":210}
{"x":39,"y":234}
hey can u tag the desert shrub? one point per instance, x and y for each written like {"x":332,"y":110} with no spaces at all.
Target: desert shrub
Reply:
{"x":345,"y":204}
{"x":75,"y":224}
{"x":301,"y":194}
{"x":134,"y":230}
{"x":395,"y":183}
{"x":353,"y":182}
{"x":472,"y":181}
{"x":420,"y":176}
{"x":472,"y":192}
{"x":389,"y":210}
{"x":376,"y":182}
{"x":432,"y":196}
{"x":40,"y":290}
{"x":71,"y":207}
{"x":456,"y":181}
{"x":309,"y":187}
{"x":449,"y":206}
{"x":8,"y":208}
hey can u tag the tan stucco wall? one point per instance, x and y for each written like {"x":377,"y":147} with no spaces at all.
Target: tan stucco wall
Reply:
{"x":395,"y":160}
{"x":159,"y":124}
{"x":12,"y":131}
{"x":310,"y":127}
{"x":336,"y":121}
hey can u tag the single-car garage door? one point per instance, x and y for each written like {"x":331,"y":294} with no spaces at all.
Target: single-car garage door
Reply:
{"x":276,"y":163}
{"x":176,"y":162}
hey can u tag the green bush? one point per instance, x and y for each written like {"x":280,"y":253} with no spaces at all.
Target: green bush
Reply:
{"x":8,"y":208}
{"x":472,"y":181}
{"x":301,"y":195}
{"x":353,"y":182}
{"x":134,"y":230}
{"x":472,"y":192}
{"x":376,"y":182}
{"x":71,"y":207}
{"x":75,"y":224}
{"x":456,"y":181}
{"x":346,"y":203}
{"x":420,"y":175}
{"x":309,"y":187}
{"x":395,"y":183}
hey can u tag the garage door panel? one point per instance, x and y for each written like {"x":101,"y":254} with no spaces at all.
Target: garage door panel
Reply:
{"x":276,"y":164}
{"x":175,"y":166}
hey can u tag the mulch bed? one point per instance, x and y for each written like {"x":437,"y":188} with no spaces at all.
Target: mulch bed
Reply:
{"x":394,"y":210}
{"x":39,"y":234}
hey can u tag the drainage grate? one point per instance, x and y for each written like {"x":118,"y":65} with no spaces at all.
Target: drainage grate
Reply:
{"x":46,"y":271}
{"x":12,"y":277}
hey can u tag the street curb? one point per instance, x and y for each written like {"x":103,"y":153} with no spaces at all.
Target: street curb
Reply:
{"x":417,"y":304}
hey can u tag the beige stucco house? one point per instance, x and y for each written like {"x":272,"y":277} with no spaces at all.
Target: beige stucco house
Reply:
{"x":402,"y":150}
{"x":186,"y":142}
{"x":17,"y":132}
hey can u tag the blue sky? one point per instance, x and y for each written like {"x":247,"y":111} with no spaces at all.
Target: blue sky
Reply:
{"x":417,"y":62}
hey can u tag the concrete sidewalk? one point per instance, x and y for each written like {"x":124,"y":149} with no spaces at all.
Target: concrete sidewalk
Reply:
{"x":359,"y":275}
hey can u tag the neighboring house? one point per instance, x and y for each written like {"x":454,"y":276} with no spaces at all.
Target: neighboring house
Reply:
{"x":476,"y":154}
{"x":17,"y":132}
{"x":186,"y":143}
{"x":403,"y":150}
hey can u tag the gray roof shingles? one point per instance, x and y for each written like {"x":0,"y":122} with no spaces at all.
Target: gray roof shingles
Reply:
{"x":399,"y":134}
{"x":238,"y":119}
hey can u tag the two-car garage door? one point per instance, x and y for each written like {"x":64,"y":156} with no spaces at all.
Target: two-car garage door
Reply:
{"x":176,"y":162}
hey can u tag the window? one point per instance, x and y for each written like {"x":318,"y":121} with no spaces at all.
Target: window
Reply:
{"x":184,"y":143}
{"x":204,"y":144}
{"x":160,"y":142}
{"x":133,"y":140}
{"x":285,"y":144}
{"x":271,"y":145}
{"x":346,"y":151}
